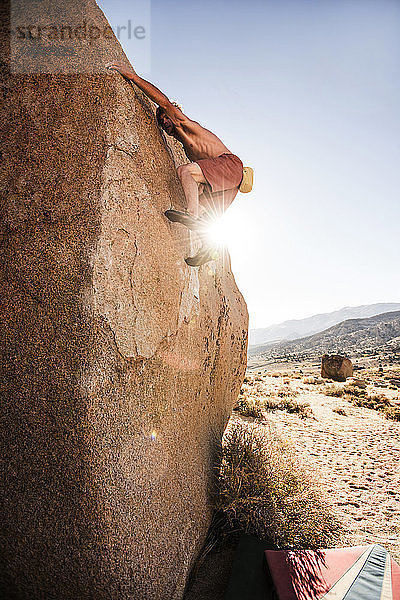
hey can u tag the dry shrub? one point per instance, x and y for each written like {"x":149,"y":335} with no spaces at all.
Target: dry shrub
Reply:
{"x":249,"y":407}
{"x":271,"y":403}
{"x":340,"y":411}
{"x":375,"y":402}
{"x":302,"y":409}
{"x":258,"y":388}
{"x":378,"y":402}
{"x":393,"y":413}
{"x":313,"y":380}
{"x":252,"y":403}
{"x":263,"y":491}
{"x":284,"y":392}
{"x":283,"y":374}
{"x":334,"y":390}
{"x":353,"y":390}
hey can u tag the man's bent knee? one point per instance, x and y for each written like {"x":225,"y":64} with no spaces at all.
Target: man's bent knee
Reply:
{"x":180,"y":170}
{"x":193,"y":170}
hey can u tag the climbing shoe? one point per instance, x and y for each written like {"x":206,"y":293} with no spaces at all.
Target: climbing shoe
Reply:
{"x":204,"y":255}
{"x":178,"y":216}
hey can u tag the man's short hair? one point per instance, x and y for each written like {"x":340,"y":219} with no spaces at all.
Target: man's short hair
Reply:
{"x":160,"y":110}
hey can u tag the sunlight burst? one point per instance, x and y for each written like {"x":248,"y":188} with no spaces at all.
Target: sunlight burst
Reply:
{"x":219,"y":233}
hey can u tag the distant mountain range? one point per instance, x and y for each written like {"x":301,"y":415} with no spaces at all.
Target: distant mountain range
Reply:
{"x":299,"y":328}
{"x":352,"y":337}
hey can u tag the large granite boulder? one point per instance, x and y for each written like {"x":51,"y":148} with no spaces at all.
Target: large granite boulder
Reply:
{"x":122,"y":363}
{"x":336,"y":367}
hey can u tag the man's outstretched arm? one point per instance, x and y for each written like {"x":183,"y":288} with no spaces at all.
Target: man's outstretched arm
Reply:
{"x":150,"y":90}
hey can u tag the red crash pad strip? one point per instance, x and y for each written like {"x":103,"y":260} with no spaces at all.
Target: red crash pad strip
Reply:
{"x":308,"y":574}
{"x":395,"y":580}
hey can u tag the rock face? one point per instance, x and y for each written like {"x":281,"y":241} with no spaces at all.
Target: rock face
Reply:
{"x":336,"y":367}
{"x":122,"y":363}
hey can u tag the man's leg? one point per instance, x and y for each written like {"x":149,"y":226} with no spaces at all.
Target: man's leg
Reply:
{"x":191,"y":176}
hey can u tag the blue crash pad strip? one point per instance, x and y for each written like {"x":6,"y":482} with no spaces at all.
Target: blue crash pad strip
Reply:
{"x":368,"y":583}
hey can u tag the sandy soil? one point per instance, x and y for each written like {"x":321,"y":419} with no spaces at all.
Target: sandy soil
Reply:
{"x":357,"y":456}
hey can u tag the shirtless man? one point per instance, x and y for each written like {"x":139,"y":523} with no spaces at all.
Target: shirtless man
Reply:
{"x":211,"y":180}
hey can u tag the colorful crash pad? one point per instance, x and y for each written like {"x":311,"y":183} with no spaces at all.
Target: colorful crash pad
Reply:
{"x":358,"y":573}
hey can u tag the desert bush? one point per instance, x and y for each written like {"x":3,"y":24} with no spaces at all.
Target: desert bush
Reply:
{"x":378,"y":402}
{"x":283,"y":374}
{"x":302,"y":409}
{"x":249,"y":407}
{"x":375,"y":401}
{"x":271,"y":403}
{"x":284,"y":392}
{"x":393,"y":413}
{"x":339,"y":411}
{"x":263,"y":491}
{"x":312,"y":381}
{"x":353,"y":390}
{"x":334,"y":390}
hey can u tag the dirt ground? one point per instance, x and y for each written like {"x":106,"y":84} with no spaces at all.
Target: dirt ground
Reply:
{"x":355,"y":455}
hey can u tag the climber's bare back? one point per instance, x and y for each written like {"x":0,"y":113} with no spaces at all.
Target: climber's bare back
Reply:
{"x":198,"y":141}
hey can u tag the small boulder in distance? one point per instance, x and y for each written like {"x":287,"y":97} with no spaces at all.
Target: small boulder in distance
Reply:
{"x":336,"y":367}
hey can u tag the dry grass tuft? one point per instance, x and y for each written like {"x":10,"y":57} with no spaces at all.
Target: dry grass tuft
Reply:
{"x":302,"y":409}
{"x":285,"y":392}
{"x":264,"y":491}
{"x":360,"y":397}
{"x":353,"y":390}
{"x":249,"y":407}
{"x":252,"y":403}
{"x":334,"y":390}
{"x":312,"y":380}
{"x":393,"y":413}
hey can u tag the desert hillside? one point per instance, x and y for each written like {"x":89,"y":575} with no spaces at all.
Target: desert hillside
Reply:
{"x":299,"y":328}
{"x":354,"y":337}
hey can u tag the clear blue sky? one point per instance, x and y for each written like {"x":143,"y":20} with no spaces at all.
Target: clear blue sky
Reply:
{"x":308,"y":93}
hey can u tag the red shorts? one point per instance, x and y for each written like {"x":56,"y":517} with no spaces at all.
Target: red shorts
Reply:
{"x":224,"y":175}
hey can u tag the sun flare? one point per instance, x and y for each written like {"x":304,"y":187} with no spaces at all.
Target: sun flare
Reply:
{"x":220,"y":232}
